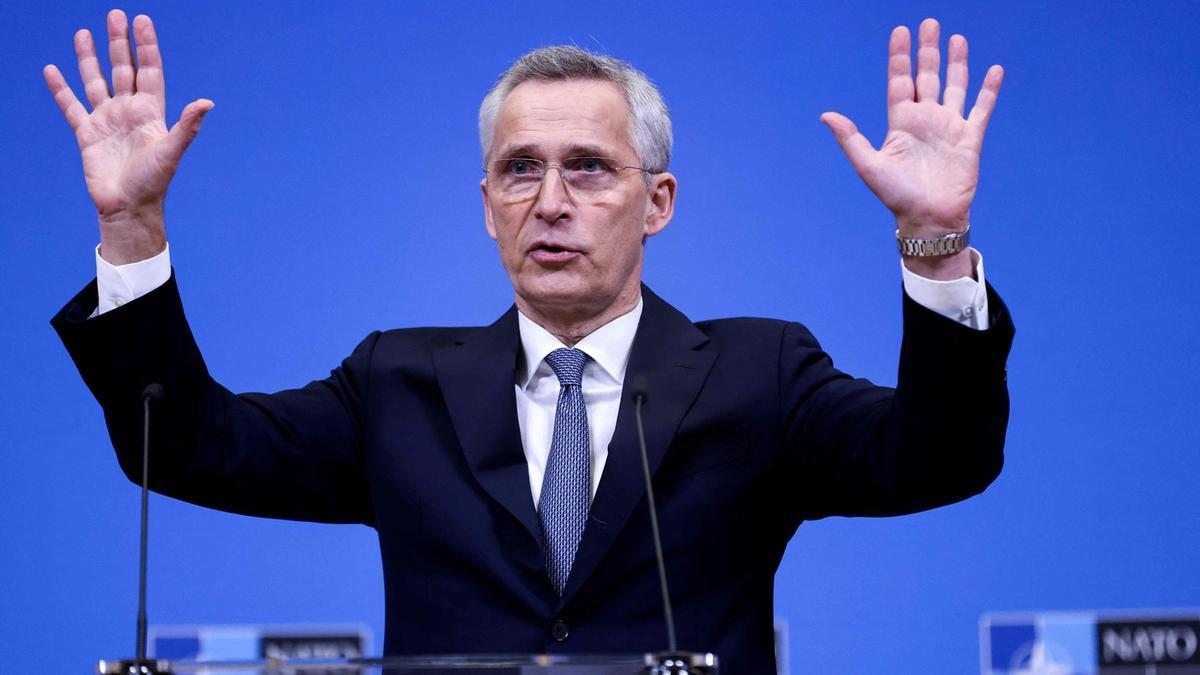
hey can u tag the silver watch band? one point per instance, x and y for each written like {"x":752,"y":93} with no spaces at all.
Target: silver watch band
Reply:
{"x":943,"y":245}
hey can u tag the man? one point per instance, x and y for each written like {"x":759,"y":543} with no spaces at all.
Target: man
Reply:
{"x":500,"y":465}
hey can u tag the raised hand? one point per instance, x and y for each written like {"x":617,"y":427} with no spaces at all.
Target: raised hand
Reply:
{"x":928,"y":167}
{"x":129,"y":155}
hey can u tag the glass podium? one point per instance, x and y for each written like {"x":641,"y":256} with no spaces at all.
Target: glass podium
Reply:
{"x":663,"y":663}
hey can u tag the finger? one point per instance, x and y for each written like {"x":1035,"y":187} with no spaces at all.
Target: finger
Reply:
{"x":94,"y":84}
{"x":184,"y":132}
{"x":72,"y":109}
{"x":856,"y":146}
{"x":149,"y":61}
{"x":928,"y":61}
{"x":900,"y":83}
{"x":985,"y":103}
{"x":119,"y":53}
{"x":955,"y":95}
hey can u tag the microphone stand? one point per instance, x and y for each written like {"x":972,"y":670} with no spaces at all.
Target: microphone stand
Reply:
{"x":672,"y":661}
{"x":141,"y":665}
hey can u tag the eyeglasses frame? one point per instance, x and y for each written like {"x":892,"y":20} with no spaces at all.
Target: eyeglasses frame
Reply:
{"x":546,"y":166}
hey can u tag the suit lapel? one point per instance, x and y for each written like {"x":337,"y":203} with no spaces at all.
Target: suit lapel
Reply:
{"x":666,"y":352}
{"x":476,"y":378}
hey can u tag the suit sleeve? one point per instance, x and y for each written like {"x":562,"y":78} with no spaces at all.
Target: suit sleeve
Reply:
{"x":294,"y":454}
{"x":937,"y":438}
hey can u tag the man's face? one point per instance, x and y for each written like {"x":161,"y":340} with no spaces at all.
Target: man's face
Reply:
{"x":568,"y":253}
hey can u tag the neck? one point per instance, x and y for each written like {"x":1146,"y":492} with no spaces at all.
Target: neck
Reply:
{"x":570,"y":324}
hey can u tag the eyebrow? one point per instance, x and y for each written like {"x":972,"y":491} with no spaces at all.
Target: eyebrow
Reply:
{"x":533,"y":151}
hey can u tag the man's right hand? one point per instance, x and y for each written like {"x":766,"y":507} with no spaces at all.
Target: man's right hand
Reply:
{"x":128,"y":154}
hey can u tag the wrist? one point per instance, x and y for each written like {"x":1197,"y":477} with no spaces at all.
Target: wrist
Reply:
{"x":134,"y":234}
{"x":942,"y":268}
{"x":923,"y":227}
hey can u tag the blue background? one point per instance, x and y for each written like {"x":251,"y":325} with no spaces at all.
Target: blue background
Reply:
{"x":334,"y":190}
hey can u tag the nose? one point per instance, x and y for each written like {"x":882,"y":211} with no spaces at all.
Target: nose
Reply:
{"x":553,"y":201}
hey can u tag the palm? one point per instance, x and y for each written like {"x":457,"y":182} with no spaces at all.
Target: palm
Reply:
{"x":122,"y":148}
{"x":928,"y":166}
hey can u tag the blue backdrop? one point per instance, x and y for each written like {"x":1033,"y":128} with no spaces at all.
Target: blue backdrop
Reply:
{"x":342,"y":156}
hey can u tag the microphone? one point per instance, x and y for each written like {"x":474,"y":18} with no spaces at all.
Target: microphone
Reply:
{"x":640,"y":387}
{"x":151,"y":394}
{"x":153,"y":391}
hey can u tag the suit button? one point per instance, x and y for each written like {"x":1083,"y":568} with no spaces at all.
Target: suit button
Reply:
{"x":560,"y":631}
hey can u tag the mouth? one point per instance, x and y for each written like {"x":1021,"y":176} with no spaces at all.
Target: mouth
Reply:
{"x":552,"y":253}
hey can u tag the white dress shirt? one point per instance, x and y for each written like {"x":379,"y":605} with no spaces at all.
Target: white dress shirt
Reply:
{"x":535,"y":384}
{"x":537,"y":389}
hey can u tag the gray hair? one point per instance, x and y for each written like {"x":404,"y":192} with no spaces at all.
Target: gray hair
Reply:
{"x":649,"y":119}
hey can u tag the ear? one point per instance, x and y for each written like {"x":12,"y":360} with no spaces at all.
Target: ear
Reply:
{"x":487,"y":209}
{"x":662,"y":203}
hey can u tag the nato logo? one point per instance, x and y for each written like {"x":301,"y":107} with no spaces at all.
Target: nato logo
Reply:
{"x":248,"y":642}
{"x":1087,"y":643}
{"x":1039,"y":644}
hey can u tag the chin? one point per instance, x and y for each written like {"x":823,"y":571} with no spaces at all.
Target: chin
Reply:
{"x":557,"y":293}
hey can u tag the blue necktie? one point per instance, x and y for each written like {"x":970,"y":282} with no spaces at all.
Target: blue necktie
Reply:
{"x":567,"y":485}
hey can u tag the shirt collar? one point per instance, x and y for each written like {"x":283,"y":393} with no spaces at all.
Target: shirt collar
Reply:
{"x":608,"y":346}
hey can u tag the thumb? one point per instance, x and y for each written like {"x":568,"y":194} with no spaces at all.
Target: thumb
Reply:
{"x":181,"y":135}
{"x":856,"y":146}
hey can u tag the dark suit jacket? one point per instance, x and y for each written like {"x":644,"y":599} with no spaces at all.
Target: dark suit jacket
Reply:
{"x":750,"y":429}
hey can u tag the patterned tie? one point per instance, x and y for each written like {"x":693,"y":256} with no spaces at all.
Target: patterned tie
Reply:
{"x":567,"y":486}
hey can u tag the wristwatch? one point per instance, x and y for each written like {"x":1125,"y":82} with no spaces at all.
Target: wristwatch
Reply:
{"x":943,"y":245}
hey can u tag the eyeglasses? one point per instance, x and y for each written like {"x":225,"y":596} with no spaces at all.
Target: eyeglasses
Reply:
{"x":521,"y":177}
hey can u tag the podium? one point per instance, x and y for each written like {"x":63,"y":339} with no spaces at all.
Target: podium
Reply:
{"x":663,"y":663}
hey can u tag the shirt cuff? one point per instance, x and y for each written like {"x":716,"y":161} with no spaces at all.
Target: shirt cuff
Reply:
{"x":963,"y":300}
{"x":119,"y":284}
